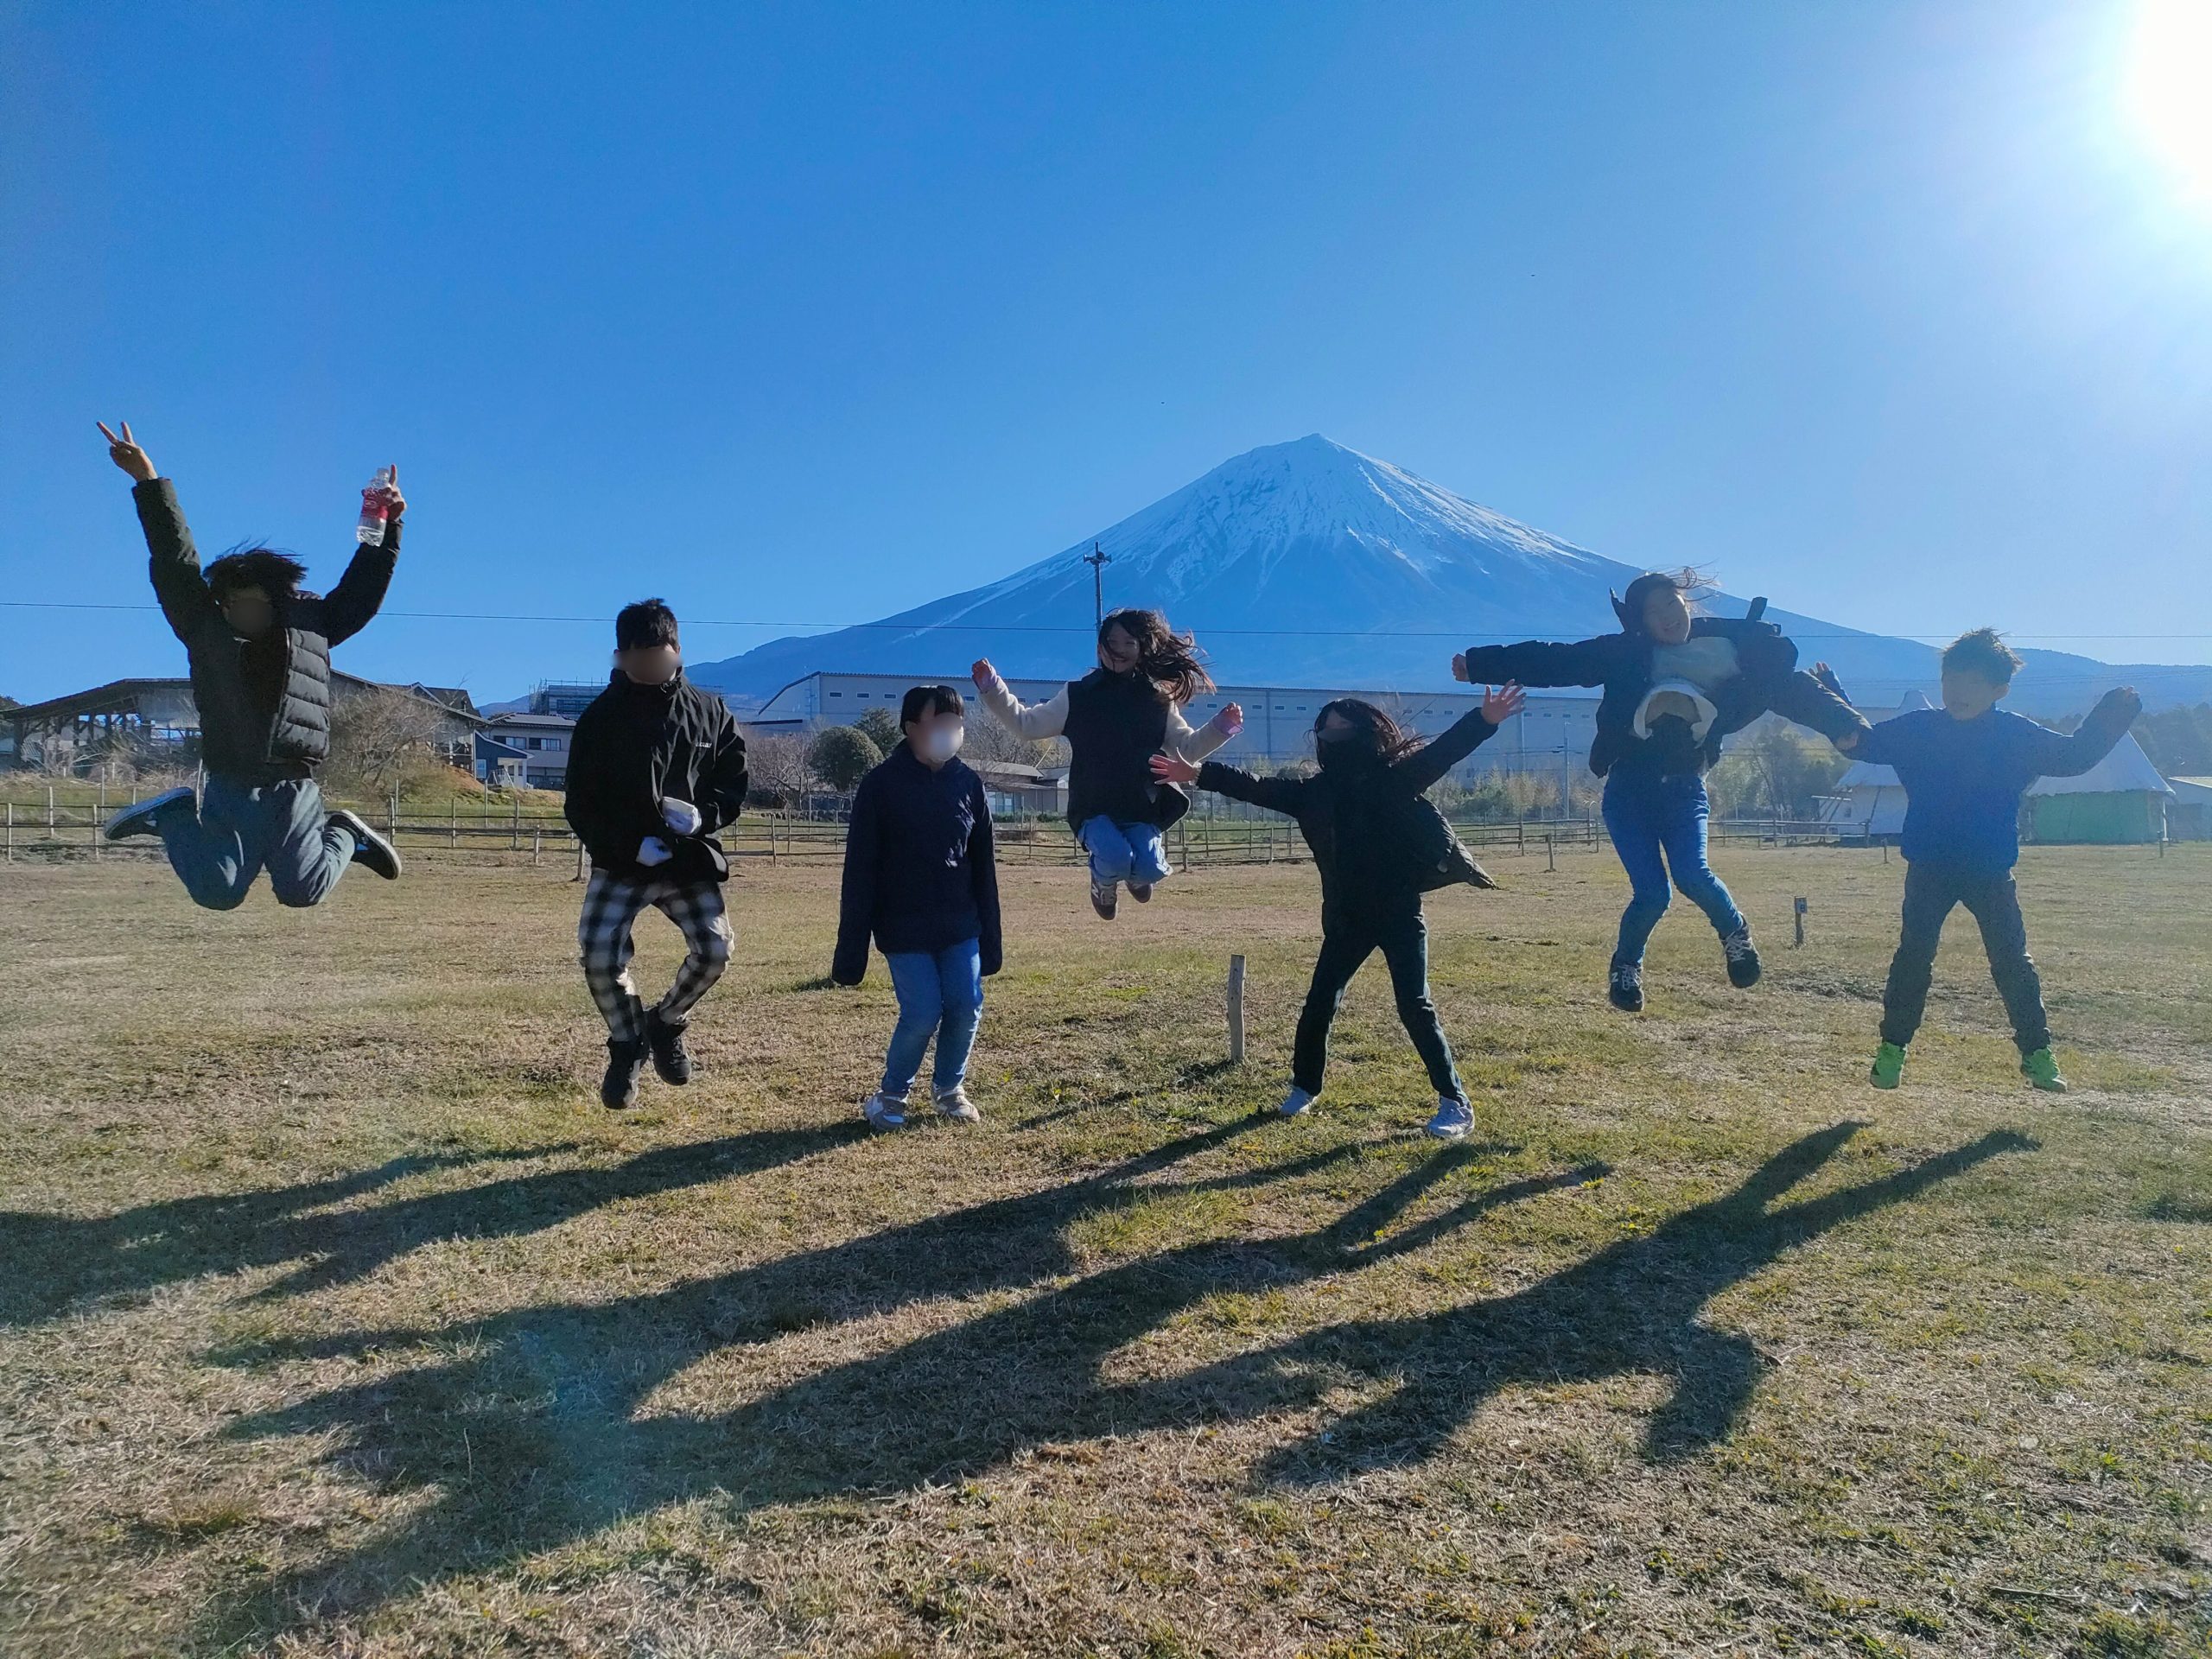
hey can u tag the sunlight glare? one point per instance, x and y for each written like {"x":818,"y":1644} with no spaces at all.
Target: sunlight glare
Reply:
{"x":2169,"y":85}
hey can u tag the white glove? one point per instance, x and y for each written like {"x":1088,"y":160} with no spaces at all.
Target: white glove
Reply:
{"x":681,"y":816}
{"x":653,"y":850}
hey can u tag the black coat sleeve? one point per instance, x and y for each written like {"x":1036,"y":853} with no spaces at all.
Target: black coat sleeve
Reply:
{"x":348,"y":608}
{"x":2056,"y":755}
{"x":1428,"y":764}
{"x":856,"y":899}
{"x":1539,"y":661}
{"x":726,"y":780}
{"x":1284,"y":795}
{"x":983,"y":869}
{"x":1806,"y":699}
{"x":601,"y":821}
{"x":173,"y":561}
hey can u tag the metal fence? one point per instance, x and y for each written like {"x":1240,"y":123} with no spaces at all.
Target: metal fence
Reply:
{"x":64,"y":823}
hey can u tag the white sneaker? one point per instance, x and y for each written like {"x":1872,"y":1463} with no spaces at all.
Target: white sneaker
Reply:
{"x":139,"y":820}
{"x":1452,"y":1120}
{"x":954,"y":1104}
{"x":1296,"y":1103}
{"x":884,"y":1111}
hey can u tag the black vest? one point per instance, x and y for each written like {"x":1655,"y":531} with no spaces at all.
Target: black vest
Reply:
{"x":1117,"y":723}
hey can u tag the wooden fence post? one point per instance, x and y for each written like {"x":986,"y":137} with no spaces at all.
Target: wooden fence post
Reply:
{"x":1235,"y":1010}
{"x":11,"y":832}
{"x":1800,"y":918}
{"x":1551,"y":858}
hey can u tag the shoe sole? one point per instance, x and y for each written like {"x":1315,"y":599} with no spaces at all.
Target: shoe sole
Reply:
{"x":1445,"y":1134}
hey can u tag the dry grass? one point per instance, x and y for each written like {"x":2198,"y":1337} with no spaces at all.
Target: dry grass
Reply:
{"x":336,"y":1319}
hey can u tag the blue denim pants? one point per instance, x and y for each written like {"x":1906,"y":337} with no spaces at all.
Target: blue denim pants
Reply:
{"x":1657,"y":824}
{"x":1124,"y":852}
{"x":243,"y":828}
{"x":939,"y":992}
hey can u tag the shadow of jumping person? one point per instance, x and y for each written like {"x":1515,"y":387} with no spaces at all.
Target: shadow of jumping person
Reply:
{"x":58,"y":1263}
{"x":1634,"y":1307}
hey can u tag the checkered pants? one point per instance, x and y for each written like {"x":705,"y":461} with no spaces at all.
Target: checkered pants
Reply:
{"x":611,"y":905}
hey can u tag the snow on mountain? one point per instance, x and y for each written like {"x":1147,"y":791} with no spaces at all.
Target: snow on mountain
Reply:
{"x":1310,"y":564}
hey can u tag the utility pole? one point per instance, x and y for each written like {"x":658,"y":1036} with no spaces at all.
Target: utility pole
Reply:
{"x":1098,"y":558}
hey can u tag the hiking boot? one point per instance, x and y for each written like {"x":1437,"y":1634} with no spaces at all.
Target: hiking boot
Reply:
{"x":1889,"y":1065}
{"x":1452,"y":1120}
{"x":671,"y":1058}
{"x":1742,"y":957}
{"x":1142,"y":892}
{"x":139,"y":820}
{"x":954,"y":1104}
{"x":2041,"y":1069}
{"x":1624,"y":987}
{"x":371,"y":850}
{"x":1296,"y":1103}
{"x":625,"y":1063}
{"x":1102,"y":895}
{"x":884,"y":1111}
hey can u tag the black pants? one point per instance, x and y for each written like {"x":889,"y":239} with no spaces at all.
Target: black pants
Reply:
{"x":1403,"y":941}
{"x":1930,"y":891}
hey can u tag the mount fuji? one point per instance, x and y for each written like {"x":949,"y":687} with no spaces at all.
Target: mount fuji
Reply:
{"x":1310,"y":564}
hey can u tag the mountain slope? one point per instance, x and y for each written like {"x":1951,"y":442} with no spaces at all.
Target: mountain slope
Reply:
{"x":1308,"y":563}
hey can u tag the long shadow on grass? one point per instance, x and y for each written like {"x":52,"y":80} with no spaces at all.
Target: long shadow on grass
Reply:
{"x":536,"y":1428}
{"x":56,"y":1262}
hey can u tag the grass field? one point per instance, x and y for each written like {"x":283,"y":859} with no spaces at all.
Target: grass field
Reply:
{"x":336,"y":1318}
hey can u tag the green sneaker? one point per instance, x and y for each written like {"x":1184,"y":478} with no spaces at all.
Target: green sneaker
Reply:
{"x":2041,"y":1070}
{"x":1889,"y":1066}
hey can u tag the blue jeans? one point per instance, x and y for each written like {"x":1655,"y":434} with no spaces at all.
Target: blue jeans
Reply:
{"x":939,"y":991}
{"x":243,"y":828}
{"x":1658,"y":824}
{"x":1124,"y":852}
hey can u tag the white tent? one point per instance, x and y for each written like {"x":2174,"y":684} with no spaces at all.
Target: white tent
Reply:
{"x":2125,"y":770}
{"x":1869,"y":801}
{"x":2120,"y":799}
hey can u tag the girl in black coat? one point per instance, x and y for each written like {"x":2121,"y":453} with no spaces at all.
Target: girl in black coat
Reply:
{"x":1115,"y":719}
{"x":1676,"y":684}
{"x":1378,"y":846}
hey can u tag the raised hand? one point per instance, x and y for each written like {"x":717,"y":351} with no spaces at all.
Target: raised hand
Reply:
{"x":395,"y":503}
{"x":1460,"y":665}
{"x":983,"y":673}
{"x":1502,"y":704}
{"x":1173,"y":769}
{"x":126,"y":452}
{"x":1231,"y":717}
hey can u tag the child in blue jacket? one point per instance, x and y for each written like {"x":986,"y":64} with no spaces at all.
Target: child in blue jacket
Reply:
{"x":1964,"y":767}
{"x":921,"y":876}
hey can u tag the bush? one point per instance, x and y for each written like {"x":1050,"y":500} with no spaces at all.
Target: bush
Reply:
{"x":881,"y":726}
{"x":841,"y":757}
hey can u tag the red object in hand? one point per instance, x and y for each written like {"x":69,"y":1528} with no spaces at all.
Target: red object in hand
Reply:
{"x":375,"y":510}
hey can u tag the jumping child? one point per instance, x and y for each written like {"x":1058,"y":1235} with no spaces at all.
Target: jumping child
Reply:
{"x":1378,"y":846}
{"x":656,"y":766}
{"x":1676,"y":684}
{"x":1964,"y":767}
{"x":921,"y":875}
{"x":259,"y":648}
{"x":1115,"y":719}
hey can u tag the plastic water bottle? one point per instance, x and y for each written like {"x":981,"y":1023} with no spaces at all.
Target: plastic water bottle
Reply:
{"x":375,"y":510}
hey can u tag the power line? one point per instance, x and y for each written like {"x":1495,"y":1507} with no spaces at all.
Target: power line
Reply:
{"x":1028,"y":627}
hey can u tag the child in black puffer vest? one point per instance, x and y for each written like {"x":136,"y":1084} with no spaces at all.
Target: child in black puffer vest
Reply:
{"x":1115,"y":719}
{"x":1378,"y":846}
{"x":1676,"y":684}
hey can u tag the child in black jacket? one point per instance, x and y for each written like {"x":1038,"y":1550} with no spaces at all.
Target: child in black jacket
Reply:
{"x":1676,"y":684}
{"x":656,"y":766}
{"x":259,"y":648}
{"x":1379,"y":847}
{"x":922,"y":877}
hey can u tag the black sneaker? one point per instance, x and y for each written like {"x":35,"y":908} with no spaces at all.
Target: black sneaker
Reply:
{"x":625,"y":1063}
{"x":1742,"y":957}
{"x":1624,"y":987}
{"x":671,"y":1058}
{"x":1142,"y":892}
{"x":139,"y":819}
{"x":371,"y":850}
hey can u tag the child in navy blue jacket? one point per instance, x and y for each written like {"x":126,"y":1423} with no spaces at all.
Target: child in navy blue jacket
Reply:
{"x":921,"y":876}
{"x":1964,"y":767}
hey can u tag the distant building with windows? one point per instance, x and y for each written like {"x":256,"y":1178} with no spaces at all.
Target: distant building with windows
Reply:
{"x":536,"y":749}
{"x":1551,"y":736}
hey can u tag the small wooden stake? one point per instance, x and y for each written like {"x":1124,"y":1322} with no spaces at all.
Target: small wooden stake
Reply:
{"x":1235,"y":1010}
{"x":1801,"y":919}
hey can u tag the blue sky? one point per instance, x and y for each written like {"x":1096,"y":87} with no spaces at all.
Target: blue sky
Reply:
{"x":809,"y":313}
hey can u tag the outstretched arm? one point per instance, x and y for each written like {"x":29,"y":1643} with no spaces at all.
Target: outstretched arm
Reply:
{"x":348,"y":608}
{"x":174,"y":562}
{"x":1811,"y":702}
{"x":1187,"y":744}
{"x":1035,"y":721}
{"x":1282,"y":795}
{"x":1537,"y":662}
{"x":2056,"y":754}
{"x":1428,"y":764}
